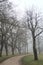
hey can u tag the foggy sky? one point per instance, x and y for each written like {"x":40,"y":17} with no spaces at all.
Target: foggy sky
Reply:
{"x":21,"y":5}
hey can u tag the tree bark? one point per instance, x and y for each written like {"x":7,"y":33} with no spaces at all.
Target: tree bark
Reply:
{"x":12,"y":51}
{"x":27,"y":48}
{"x":34,"y":47}
{"x":1,"y":49}
{"x":1,"y":46}
{"x":6,"y":48}
{"x":19,"y":50}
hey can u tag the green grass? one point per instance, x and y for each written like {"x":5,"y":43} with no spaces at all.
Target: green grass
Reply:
{"x":3,"y":58}
{"x":29,"y":60}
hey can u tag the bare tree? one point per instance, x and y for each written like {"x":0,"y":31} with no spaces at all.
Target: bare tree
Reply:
{"x":5,"y":24}
{"x":32,"y":20}
{"x":21,"y":39}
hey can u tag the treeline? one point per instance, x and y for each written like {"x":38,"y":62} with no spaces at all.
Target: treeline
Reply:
{"x":15,"y":33}
{"x":11,"y":34}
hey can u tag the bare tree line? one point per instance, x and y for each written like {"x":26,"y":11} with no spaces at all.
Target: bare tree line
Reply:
{"x":15,"y":35}
{"x":10,"y":32}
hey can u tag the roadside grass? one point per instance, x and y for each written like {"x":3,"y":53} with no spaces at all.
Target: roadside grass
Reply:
{"x":3,"y":58}
{"x":29,"y":60}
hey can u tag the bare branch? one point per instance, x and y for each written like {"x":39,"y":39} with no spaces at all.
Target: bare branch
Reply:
{"x":2,"y":0}
{"x":38,"y":34}
{"x":29,"y":26}
{"x":29,"y":19}
{"x":36,"y":23}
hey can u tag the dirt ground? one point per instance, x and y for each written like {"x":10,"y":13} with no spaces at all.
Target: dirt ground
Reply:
{"x":12,"y":61}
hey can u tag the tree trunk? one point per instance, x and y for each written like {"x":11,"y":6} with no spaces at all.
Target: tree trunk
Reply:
{"x":19,"y":50}
{"x":1,"y":46}
{"x":34,"y":47}
{"x":12,"y":51}
{"x":38,"y":44}
{"x":1,"y":50}
{"x":6,"y":48}
{"x":27,"y":48}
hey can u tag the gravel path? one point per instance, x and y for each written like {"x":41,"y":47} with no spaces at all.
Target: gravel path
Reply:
{"x":13,"y":61}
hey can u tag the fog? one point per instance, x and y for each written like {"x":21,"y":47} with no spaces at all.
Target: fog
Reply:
{"x":26,"y":4}
{"x":18,"y":9}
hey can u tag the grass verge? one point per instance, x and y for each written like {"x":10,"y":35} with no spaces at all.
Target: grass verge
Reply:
{"x":29,"y":60}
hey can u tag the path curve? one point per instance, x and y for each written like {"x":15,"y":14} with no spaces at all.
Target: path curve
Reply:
{"x":13,"y":61}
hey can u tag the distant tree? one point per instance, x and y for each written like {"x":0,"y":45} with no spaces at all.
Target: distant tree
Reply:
{"x":21,"y":39}
{"x":8,"y":25}
{"x":5,"y":24}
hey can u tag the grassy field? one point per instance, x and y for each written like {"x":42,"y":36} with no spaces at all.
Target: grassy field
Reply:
{"x":3,"y":58}
{"x":29,"y":60}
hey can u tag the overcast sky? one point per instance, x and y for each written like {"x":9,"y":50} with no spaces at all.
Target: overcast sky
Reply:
{"x":24,"y":4}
